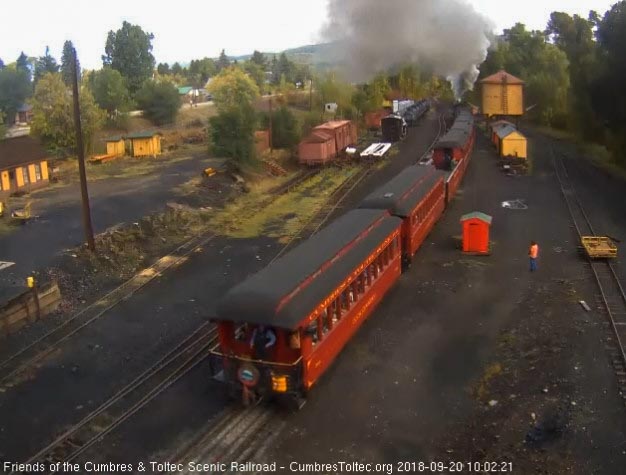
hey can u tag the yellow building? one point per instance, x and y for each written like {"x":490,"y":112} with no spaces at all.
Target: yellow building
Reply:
{"x":511,"y":142}
{"x":145,"y":144}
{"x":116,"y":146}
{"x":503,"y":95}
{"x":23,"y":165}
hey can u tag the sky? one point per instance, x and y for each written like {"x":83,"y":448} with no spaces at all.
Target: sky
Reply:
{"x":195,"y":29}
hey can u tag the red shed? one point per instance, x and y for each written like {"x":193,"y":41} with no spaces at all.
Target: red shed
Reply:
{"x":476,"y":232}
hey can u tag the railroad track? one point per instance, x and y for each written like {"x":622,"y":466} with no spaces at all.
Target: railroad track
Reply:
{"x":239,"y":435}
{"x":297,"y":180}
{"x":35,"y":352}
{"x":612,"y":296}
{"x":441,"y":123}
{"x":134,"y":396}
{"x":317,"y":221}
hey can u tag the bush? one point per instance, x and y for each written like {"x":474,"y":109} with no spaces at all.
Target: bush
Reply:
{"x":159,"y":101}
{"x":286,"y":130}
{"x":232,"y":134}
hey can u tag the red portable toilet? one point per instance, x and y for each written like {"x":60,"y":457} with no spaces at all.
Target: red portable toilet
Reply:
{"x":476,"y":232}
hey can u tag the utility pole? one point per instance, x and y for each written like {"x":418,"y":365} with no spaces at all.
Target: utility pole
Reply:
{"x":80,"y":152}
{"x":271,"y":128}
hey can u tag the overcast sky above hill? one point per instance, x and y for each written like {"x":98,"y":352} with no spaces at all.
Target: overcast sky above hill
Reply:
{"x":194,"y":29}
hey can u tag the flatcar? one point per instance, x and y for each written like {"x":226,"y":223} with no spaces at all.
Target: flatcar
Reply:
{"x":417,"y":196}
{"x":280,"y":329}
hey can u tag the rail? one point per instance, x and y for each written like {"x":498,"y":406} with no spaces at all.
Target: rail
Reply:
{"x":36,"y":351}
{"x":130,"y":399}
{"x":611,"y":290}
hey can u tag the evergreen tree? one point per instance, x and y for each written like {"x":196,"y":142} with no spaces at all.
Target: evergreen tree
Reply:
{"x":223,"y":62}
{"x":259,"y":59}
{"x":23,"y":64}
{"x":129,"y":51}
{"x":163,"y":69}
{"x":67,"y":70}
{"x":45,"y":64}
{"x":176,"y":68}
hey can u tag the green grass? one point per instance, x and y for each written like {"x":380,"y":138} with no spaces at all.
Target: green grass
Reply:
{"x":258,"y":213}
{"x":598,"y":154}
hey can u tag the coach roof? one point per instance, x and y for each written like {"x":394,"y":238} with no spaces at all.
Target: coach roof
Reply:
{"x":287,"y":291}
{"x":404,"y":192}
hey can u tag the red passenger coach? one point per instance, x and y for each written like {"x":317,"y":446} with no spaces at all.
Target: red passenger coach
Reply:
{"x":417,"y":195}
{"x":281,"y":328}
{"x":454,"y":150}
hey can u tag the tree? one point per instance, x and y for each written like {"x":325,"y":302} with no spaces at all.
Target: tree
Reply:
{"x":285,"y":128}
{"x":200,"y":71}
{"x":129,"y":51}
{"x":109,"y":90}
{"x":377,"y":90}
{"x":574,"y":36}
{"x":233,"y":88}
{"x":67,"y":60}
{"x":45,"y":64}
{"x":23,"y":64}
{"x":223,"y":62}
{"x":608,"y":95}
{"x":259,"y":59}
{"x":53,"y":114}
{"x":176,"y":68}
{"x":159,"y":102}
{"x":15,"y":88}
{"x":232,"y":130}
{"x":163,"y":69}
{"x":232,"y":133}
{"x":1,"y":64}
{"x":256,"y":72}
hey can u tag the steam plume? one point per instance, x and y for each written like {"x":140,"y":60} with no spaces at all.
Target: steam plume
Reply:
{"x":447,"y":37}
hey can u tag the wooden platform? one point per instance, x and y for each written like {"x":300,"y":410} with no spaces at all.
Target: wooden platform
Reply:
{"x":599,"y":247}
{"x":102,"y":158}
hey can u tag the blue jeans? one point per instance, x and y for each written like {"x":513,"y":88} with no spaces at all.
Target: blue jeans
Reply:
{"x":533,"y":264}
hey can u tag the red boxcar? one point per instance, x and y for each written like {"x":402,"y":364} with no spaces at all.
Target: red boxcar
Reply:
{"x":327,"y":141}
{"x":417,"y":195}
{"x":318,"y":148}
{"x":310,"y":302}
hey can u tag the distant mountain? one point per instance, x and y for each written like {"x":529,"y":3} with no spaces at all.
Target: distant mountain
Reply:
{"x":310,"y":54}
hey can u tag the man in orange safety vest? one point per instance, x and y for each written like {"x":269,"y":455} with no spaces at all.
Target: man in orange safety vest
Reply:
{"x":533,"y":253}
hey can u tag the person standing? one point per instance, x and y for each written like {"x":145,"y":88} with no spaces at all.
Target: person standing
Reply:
{"x":533,"y":253}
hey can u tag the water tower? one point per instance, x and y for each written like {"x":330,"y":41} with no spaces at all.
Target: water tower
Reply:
{"x":502,"y":95}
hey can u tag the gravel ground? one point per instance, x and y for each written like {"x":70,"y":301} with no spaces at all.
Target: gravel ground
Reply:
{"x":465,"y":352}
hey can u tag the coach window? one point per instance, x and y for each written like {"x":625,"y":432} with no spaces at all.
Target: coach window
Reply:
{"x":329,"y":321}
{"x":320,"y":328}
